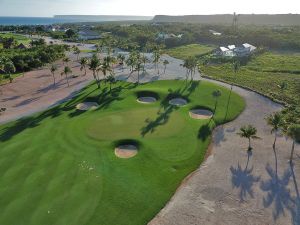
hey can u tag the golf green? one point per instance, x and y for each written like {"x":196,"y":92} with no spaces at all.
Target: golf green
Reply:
{"x":59,"y":166}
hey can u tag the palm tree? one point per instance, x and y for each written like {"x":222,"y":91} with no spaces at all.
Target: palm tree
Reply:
{"x":121,"y":58}
{"x":165,"y":62}
{"x":275,"y":121}
{"x":248,"y":132}
{"x":294,"y":133}
{"x":76,"y":51}
{"x":156,"y":58}
{"x":83,"y":63}
{"x":216,"y":94}
{"x":111,"y":79}
{"x":53,"y":69}
{"x":65,"y":72}
{"x":94,"y":66}
{"x":9,"y":68}
{"x":66,"y":60}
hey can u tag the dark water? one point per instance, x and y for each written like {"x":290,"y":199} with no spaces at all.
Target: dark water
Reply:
{"x":65,"y":19}
{"x":33,"y":20}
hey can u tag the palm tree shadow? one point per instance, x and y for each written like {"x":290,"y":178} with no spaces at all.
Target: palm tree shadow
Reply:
{"x":277,"y":191}
{"x":295,"y":209}
{"x":243,"y":179}
{"x":166,"y":109}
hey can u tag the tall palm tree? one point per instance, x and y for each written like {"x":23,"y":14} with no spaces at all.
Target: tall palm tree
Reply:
{"x":165,"y":62}
{"x":248,"y":132}
{"x":66,"y":60}
{"x":76,"y":51}
{"x":66,"y":72}
{"x":294,"y":133}
{"x":83,"y":63}
{"x":111,"y":79}
{"x":121,"y":58}
{"x":94,"y":66}
{"x":156,"y":58}
{"x":216,"y":94}
{"x":53,"y":69}
{"x":275,"y":121}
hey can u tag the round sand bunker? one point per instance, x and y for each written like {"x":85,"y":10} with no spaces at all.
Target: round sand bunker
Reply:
{"x":178,"y":101}
{"x":146,"y":100}
{"x":201,"y":114}
{"x":126,"y":151}
{"x":87,"y":106}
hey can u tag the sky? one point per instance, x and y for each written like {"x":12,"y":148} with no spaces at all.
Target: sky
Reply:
{"x":46,"y":8}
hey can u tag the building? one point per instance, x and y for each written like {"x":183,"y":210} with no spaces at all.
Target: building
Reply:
{"x":231,"y":50}
{"x":88,"y":35}
{"x":213,"y":32}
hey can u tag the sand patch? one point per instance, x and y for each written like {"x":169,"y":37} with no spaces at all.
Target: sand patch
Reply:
{"x":87,"y":106}
{"x":178,"y":102}
{"x":201,"y":114}
{"x":126,"y":151}
{"x":146,"y":100}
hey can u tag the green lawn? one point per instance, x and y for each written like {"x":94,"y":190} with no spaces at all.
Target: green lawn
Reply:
{"x":263,"y":74}
{"x":5,"y":80}
{"x":19,"y":38}
{"x":58,"y":167}
{"x":185,"y":51}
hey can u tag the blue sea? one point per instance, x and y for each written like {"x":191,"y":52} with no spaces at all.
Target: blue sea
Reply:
{"x":34,"y":20}
{"x":66,"y":19}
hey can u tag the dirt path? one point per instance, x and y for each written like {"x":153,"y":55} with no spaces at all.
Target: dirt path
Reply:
{"x":35,"y":91}
{"x":225,"y":191}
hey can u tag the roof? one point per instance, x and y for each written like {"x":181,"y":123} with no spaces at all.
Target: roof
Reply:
{"x":251,"y":47}
{"x":231,"y":47}
{"x":224,"y":49}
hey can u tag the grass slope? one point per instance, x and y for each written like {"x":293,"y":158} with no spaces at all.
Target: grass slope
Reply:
{"x":19,"y":38}
{"x":263,"y":74}
{"x":185,"y":51}
{"x":58,"y":167}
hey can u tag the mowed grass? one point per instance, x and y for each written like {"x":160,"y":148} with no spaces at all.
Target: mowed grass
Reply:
{"x":19,"y":38}
{"x":264,"y":74}
{"x":185,"y":51}
{"x":58,"y":167}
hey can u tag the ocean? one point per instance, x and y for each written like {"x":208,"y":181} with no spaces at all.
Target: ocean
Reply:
{"x":34,"y":20}
{"x":65,"y":19}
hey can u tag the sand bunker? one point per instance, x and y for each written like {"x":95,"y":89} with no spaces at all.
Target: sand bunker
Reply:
{"x":126,"y":151}
{"x":178,"y":102}
{"x":87,"y":106}
{"x":201,"y":114}
{"x":146,"y":100}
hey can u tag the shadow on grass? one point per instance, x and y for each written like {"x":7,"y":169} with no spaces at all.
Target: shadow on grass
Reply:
{"x":105,"y":98}
{"x":166,"y":109}
{"x":243,"y":179}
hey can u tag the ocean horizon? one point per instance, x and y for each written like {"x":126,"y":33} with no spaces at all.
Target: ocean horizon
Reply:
{"x":63,"y":19}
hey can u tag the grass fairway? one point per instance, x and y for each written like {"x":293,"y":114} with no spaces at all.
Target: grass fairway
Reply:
{"x":264,"y":73}
{"x":59,"y":167}
{"x":19,"y":38}
{"x":185,"y":51}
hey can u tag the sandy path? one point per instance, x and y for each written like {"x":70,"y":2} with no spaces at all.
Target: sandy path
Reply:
{"x":35,"y":91}
{"x":220,"y":191}
{"x":223,"y":191}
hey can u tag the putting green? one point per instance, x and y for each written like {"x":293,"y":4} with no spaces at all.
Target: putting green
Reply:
{"x":128,"y":124}
{"x":59,"y":166}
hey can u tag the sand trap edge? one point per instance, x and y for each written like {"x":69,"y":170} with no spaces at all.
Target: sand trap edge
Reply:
{"x":201,"y":114}
{"x":126,"y":151}
{"x":85,"y":106}
{"x":146,"y":100}
{"x":178,"y":102}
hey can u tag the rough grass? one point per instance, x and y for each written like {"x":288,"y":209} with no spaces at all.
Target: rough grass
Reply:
{"x":19,"y":38}
{"x":185,"y":51}
{"x":263,"y":74}
{"x":59,"y":167}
